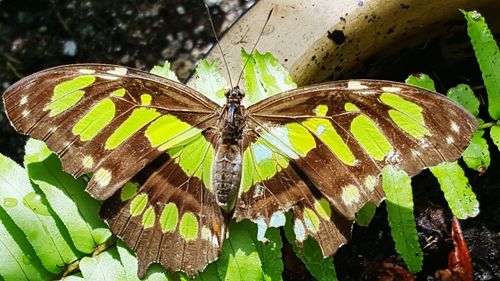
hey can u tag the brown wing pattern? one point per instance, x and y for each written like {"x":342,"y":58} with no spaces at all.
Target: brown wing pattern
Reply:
{"x":337,"y":137}
{"x":69,"y":107}
{"x":172,"y":219}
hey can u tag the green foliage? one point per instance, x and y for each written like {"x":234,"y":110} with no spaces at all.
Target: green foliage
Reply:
{"x":477,"y":154}
{"x":456,"y":189}
{"x":210,"y":82}
{"x":399,"y":199}
{"x":488,"y":57}
{"x":421,"y":80}
{"x":264,"y":76}
{"x":495,"y":135}
{"x":164,"y":71}
{"x":464,"y":95}
{"x":365,"y":215}
{"x":310,"y":254}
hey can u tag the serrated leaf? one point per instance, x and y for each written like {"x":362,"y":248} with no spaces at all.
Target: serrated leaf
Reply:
{"x":488,"y":57}
{"x":421,"y":80}
{"x":270,"y":252}
{"x":495,"y":135}
{"x":32,"y":215}
{"x":104,"y":267}
{"x":399,"y":199}
{"x":264,"y":77}
{"x":457,"y":191}
{"x":477,"y":154}
{"x":365,"y":215}
{"x":239,"y":259}
{"x":129,"y":263}
{"x":67,"y":197}
{"x":464,"y":95}
{"x":18,"y":260}
{"x":210,"y":82}
{"x":310,"y":254}
{"x":164,"y":71}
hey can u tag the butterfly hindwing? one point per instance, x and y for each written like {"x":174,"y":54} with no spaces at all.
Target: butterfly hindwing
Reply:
{"x":106,"y":119}
{"x":172,"y":219}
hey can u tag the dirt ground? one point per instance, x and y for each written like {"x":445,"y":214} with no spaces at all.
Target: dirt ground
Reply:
{"x":37,"y":34}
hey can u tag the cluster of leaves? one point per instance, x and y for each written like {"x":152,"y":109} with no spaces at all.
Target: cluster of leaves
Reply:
{"x":49,"y":226}
{"x":451,"y":177}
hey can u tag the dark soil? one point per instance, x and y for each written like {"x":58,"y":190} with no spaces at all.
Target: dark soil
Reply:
{"x":37,"y":34}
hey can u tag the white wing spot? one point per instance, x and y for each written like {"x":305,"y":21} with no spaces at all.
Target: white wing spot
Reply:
{"x":109,"y":77}
{"x":350,"y":195}
{"x":215,"y":241}
{"x":102,"y":177}
{"x":25,"y":113}
{"x":355,"y":85}
{"x":120,"y":71}
{"x":391,"y":89}
{"x":206,"y":233}
{"x":300,"y":230}
{"x":450,"y":140}
{"x":23,"y":100}
{"x":371,"y":182}
{"x":86,"y":71}
{"x":88,"y":162}
{"x":454,"y":127}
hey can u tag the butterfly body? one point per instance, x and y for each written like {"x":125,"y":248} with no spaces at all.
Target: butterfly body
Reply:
{"x":228,"y":157}
{"x":175,"y":167}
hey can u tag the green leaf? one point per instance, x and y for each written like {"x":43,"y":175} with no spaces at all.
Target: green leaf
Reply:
{"x":399,"y":199}
{"x":488,"y":57}
{"x":18,"y":260}
{"x":464,"y":95}
{"x":164,"y":71}
{"x":310,"y":254}
{"x":210,"y":82}
{"x":270,"y":252}
{"x":74,"y":277}
{"x":32,"y":215}
{"x":365,"y":215}
{"x":104,"y":267}
{"x":495,"y":135}
{"x":477,"y":154}
{"x":239,"y":259}
{"x":457,"y":191}
{"x":421,"y":80}
{"x":67,"y":197}
{"x":264,"y":76}
{"x":129,"y":263}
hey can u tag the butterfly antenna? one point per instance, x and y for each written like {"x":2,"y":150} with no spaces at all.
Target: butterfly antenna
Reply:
{"x":218,"y":43}
{"x":255,"y":45}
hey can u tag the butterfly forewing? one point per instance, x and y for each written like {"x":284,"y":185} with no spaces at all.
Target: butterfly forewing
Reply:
{"x":339,"y":136}
{"x":106,"y":119}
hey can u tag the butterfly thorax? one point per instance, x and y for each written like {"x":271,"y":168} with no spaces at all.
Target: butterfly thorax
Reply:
{"x":228,"y":159}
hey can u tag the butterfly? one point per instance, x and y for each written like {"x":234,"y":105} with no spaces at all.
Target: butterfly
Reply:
{"x":174,"y":167}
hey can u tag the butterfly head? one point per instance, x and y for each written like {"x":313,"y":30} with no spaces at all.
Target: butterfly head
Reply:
{"x":235,"y":94}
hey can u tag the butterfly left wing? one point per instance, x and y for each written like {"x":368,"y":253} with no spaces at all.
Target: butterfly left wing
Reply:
{"x":106,"y":119}
{"x":338,"y":136}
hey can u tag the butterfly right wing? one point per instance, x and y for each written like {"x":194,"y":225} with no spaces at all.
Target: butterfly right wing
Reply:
{"x":106,"y":119}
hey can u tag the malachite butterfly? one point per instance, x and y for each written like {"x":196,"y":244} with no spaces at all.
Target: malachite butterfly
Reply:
{"x":175,"y":166}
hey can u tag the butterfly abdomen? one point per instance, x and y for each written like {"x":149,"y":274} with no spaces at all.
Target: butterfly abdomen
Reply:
{"x":227,"y":175}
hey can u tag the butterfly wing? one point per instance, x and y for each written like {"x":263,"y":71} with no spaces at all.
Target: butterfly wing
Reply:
{"x":116,"y":122}
{"x":337,"y":137}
